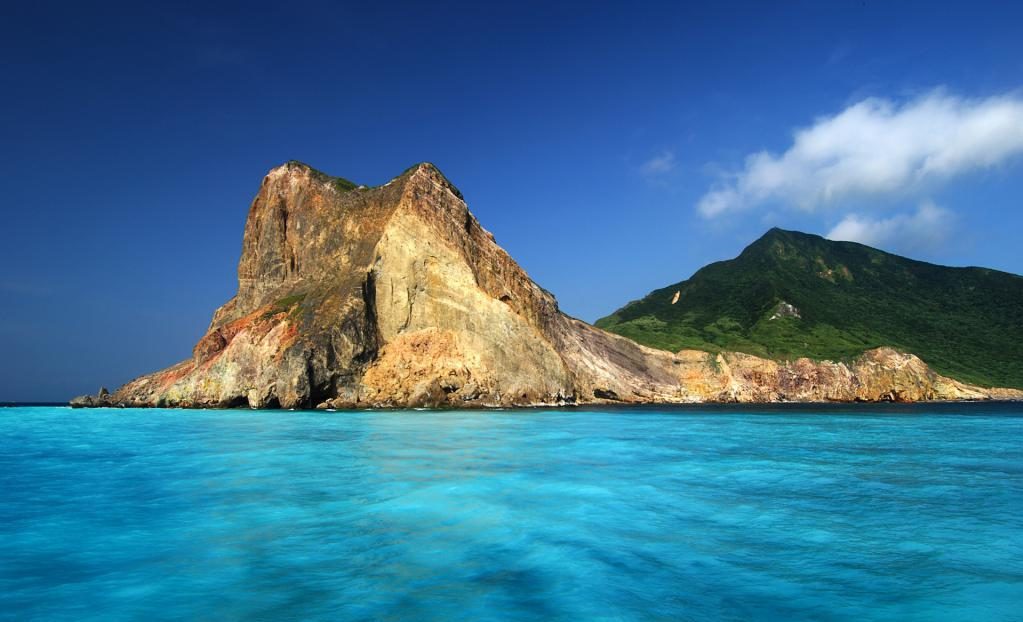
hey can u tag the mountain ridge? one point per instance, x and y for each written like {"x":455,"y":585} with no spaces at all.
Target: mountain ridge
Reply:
{"x":851,"y":297}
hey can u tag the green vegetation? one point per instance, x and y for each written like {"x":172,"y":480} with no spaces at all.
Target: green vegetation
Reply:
{"x":340,"y":183}
{"x":290,"y":304}
{"x":343,"y":185}
{"x":966,"y":323}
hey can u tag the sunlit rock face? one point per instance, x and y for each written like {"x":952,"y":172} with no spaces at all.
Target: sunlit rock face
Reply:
{"x":395,"y":296}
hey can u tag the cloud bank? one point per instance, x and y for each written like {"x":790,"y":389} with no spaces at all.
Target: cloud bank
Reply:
{"x":876,"y":147}
{"x":925,"y":229}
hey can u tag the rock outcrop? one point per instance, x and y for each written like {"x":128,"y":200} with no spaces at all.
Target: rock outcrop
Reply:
{"x":395,"y":296}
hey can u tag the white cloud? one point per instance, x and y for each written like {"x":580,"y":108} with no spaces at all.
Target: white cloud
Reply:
{"x":660,"y":164}
{"x":876,"y":147}
{"x":925,"y":229}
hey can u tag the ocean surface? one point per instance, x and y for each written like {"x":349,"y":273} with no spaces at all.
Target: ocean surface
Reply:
{"x":801,"y":513}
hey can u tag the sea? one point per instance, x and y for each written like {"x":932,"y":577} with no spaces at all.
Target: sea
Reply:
{"x":857,"y":512}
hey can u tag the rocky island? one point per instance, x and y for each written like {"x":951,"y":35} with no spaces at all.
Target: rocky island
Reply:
{"x":395,"y":296}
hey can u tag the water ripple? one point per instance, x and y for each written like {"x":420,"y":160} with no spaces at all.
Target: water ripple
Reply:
{"x":857,"y":514}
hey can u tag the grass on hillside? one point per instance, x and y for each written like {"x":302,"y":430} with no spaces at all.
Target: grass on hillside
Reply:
{"x":966,"y":323}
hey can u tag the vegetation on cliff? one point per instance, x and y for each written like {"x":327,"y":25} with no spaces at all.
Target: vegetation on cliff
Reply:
{"x":792,"y":294}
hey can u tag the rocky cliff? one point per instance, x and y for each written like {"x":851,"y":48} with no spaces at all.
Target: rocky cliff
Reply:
{"x":396,"y":296}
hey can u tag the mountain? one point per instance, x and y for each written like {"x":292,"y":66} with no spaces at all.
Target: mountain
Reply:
{"x":395,"y":296}
{"x":791,"y":294}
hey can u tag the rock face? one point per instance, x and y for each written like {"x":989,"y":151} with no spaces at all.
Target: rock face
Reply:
{"x":396,"y":296}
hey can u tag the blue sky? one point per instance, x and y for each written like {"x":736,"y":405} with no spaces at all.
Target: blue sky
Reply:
{"x":612,"y":148}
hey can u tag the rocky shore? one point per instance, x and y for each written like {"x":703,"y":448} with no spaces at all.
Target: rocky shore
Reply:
{"x":395,"y":296}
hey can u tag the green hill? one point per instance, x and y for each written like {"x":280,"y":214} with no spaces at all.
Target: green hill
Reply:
{"x":845,"y":298}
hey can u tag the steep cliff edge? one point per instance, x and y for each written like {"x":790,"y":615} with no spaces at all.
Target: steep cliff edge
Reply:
{"x":396,"y":296}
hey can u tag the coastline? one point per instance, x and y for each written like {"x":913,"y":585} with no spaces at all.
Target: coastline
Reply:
{"x":565,"y":406}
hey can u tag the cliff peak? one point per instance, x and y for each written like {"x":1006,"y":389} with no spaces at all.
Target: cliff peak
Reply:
{"x":294,"y":169}
{"x":777,"y":234}
{"x":430,"y":171}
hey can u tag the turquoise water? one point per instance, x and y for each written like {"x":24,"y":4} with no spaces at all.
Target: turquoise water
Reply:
{"x":911,"y":513}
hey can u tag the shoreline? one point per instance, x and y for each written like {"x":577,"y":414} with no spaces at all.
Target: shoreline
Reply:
{"x":795,"y":405}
